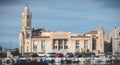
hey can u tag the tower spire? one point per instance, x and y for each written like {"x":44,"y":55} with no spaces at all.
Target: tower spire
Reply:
{"x":26,"y":9}
{"x":100,"y":27}
{"x":26,"y":17}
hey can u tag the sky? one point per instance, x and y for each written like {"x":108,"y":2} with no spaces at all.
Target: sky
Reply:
{"x":75,"y":16}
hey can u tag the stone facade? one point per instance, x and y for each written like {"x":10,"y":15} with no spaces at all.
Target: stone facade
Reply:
{"x":40,"y":40}
{"x":114,"y":38}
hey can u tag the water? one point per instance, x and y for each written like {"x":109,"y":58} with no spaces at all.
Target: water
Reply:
{"x":101,"y":63}
{"x":80,"y":63}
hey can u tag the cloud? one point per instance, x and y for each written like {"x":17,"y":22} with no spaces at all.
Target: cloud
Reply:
{"x":110,"y":3}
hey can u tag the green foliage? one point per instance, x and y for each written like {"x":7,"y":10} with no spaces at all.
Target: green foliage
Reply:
{"x":87,"y":51}
{"x":26,"y":54}
{"x":15,"y":52}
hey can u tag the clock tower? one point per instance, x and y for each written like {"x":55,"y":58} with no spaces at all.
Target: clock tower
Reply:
{"x":26,"y":31}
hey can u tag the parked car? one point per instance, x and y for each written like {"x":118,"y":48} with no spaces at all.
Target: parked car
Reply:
{"x":41,"y":54}
{"x":21,"y":61}
{"x":69,"y":55}
{"x":52,"y":54}
{"x":98,"y":58}
{"x":108,"y":53}
{"x":59,"y":55}
{"x":90,"y":54}
{"x":78,"y":54}
{"x":33,"y":55}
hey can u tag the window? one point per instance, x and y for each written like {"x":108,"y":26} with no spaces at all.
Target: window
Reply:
{"x":27,"y":35}
{"x":28,"y":20}
{"x":119,"y":43}
{"x":27,"y":48}
{"x":43,"y":44}
{"x":60,"y":44}
{"x":85,"y":44}
{"x":34,"y":46}
{"x":65,"y":44}
{"x":119,"y":33}
{"x":54,"y":44}
{"x":27,"y":43}
{"x":94,"y":44}
{"x":77,"y":44}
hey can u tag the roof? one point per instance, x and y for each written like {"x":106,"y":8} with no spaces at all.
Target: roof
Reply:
{"x":92,"y":32}
{"x":80,"y":36}
{"x":38,"y":30}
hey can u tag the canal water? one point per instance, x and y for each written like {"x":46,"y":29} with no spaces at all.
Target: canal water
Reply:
{"x":89,"y":64}
{"x":81,"y":64}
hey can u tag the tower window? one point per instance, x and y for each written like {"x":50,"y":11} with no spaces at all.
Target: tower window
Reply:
{"x":27,"y":34}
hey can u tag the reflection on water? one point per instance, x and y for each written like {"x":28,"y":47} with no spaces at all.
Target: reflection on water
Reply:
{"x":59,"y":61}
{"x":101,"y":63}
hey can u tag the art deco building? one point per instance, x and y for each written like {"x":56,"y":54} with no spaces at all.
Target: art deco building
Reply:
{"x":40,"y":40}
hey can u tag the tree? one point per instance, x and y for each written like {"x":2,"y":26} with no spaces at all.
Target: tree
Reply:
{"x":16,"y":52}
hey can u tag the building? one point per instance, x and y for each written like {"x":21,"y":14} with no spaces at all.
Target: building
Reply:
{"x":114,"y":38}
{"x":40,"y":40}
